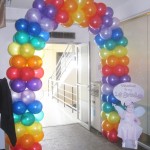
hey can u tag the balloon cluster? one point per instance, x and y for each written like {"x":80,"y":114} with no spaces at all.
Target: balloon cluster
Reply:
{"x":114,"y":61}
{"x":25,"y":71}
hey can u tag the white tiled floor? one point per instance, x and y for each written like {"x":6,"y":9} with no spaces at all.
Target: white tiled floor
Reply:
{"x":55,"y":113}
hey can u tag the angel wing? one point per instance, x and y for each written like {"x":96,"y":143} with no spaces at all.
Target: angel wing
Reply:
{"x":120,"y":110}
{"x":139,"y":111}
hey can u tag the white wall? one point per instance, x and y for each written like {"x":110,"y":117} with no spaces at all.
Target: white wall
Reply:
{"x":131,"y":8}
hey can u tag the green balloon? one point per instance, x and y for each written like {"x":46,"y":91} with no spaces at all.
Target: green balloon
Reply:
{"x":21,"y":37}
{"x":110,"y":44}
{"x":39,"y":116}
{"x":107,"y":107}
{"x":27,"y":119}
{"x":16,"y":117}
{"x":123,"y":42}
{"x":38,"y":43}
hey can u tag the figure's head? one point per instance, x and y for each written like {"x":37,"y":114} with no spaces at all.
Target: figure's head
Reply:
{"x":129,"y":106}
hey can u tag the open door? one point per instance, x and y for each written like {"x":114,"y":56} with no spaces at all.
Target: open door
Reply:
{"x":83,"y":85}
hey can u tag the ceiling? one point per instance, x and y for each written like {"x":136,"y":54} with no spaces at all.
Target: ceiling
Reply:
{"x":26,"y":4}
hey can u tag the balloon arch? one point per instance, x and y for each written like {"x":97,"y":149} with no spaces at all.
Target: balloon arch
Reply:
{"x":25,"y":71}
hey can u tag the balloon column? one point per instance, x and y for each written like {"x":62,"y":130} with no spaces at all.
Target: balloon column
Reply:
{"x":25,"y":71}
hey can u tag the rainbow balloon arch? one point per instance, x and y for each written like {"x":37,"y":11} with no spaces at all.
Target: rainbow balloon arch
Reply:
{"x":25,"y":71}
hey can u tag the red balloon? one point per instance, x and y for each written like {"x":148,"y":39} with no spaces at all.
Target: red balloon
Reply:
{"x":112,"y":136}
{"x":13,"y":73}
{"x":38,"y":73}
{"x":106,"y":70}
{"x":26,"y":73}
{"x":126,"y":70}
{"x":48,"y":1}
{"x":119,"y":70}
{"x":57,"y":3}
{"x":95,"y":22}
{"x":101,"y":9}
{"x":36,"y":146}
{"x":104,"y":133}
{"x":62,"y":16}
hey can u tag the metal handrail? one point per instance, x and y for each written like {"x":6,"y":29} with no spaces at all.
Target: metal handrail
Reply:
{"x":67,"y":96}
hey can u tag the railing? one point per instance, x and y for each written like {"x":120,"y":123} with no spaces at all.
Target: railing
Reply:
{"x":65,"y":93}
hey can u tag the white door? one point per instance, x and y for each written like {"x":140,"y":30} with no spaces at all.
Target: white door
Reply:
{"x":83,"y":82}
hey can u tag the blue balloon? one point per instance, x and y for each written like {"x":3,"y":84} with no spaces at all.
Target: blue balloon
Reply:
{"x":21,"y":25}
{"x":44,"y":35}
{"x":34,"y":28}
{"x":117,"y":34}
{"x":104,"y":97}
{"x":19,"y":107}
{"x":113,"y":99}
{"x":35,"y":107}
{"x":99,"y":41}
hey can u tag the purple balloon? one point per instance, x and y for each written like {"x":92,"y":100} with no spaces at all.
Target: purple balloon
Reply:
{"x":38,"y":4}
{"x":109,"y":12}
{"x":18,"y":85}
{"x":27,"y":96}
{"x":106,"y":89}
{"x":47,"y":24}
{"x":15,"y":96}
{"x":94,"y":31}
{"x":33,"y":15}
{"x":113,"y":80}
{"x":125,"y":78}
{"x":106,"y":33}
{"x":104,"y":79}
{"x":115,"y":23}
{"x":55,"y":25}
{"x":107,"y":21}
{"x":34,"y":84}
{"x":50,"y":11}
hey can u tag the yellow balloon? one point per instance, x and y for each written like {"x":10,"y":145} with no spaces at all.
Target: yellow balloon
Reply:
{"x":35,"y":128}
{"x":113,"y":117}
{"x":20,"y":130}
{"x":120,"y":51}
{"x":104,"y":53}
{"x":14,"y":49}
{"x":81,"y":3}
{"x":103,"y":115}
{"x":78,"y":16}
{"x":27,"y":50}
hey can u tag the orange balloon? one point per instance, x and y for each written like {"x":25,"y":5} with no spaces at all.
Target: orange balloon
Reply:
{"x":90,"y":9}
{"x":7,"y":140}
{"x":26,"y":141}
{"x":106,"y":125}
{"x":124,"y":60}
{"x":103,"y":62}
{"x":78,"y":16}
{"x":70,"y":5}
{"x":68,"y":23}
{"x":38,"y":137}
{"x":84,"y":23}
{"x":115,"y":126}
{"x":89,"y":2}
{"x":112,"y":61}
{"x":34,"y":62}
{"x":17,"y":61}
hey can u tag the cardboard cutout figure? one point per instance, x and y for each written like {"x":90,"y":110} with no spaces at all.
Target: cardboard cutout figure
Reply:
{"x":129,"y":129}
